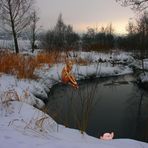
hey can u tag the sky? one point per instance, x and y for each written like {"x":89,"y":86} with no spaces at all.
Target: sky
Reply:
{"x":82,"y":14}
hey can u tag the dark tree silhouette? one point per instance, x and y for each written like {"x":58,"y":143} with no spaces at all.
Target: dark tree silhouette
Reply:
{"x":138,"y":5}
{"x":61,"y":37}
{"x":15,"y":16}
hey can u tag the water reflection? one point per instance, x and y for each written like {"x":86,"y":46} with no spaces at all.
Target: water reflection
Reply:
{"x":106,"y":104}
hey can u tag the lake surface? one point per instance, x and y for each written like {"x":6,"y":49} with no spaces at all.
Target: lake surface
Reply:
{"x":102,"y":105}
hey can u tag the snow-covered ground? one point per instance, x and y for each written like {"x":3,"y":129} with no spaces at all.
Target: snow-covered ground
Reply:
{"x":23,"y":126}
{"x":138,"y":64}
{"x":143,"y":77}
{"x":24,"y":45}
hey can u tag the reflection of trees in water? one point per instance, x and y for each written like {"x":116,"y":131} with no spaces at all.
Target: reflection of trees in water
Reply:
{"x":81,"y":104}
{"x":142,"y":116}
{"x":88,"y":100}
{"x":73,"y":107}
{"x":138,"y":111}
{"x":82,"y":101}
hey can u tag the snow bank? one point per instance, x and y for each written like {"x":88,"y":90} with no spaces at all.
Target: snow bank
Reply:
{"x":121,"y":57}
{"x":22,"y":90}
{"x":33,"y":91}
{"x":100,"y":70}
{"x":23,"y":126}
{"x":138,"y":64}
{"x":144,"y":77}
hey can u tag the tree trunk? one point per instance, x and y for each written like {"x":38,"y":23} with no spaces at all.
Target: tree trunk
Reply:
{"x":13,"y":29}
{"x":33,"y":42}
{"x":15,"y":41}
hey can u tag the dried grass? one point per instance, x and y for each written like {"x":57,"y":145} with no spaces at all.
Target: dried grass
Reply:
{"x":19,"y":65}
{"x":51,"y":57}
{"x":24,"y":66}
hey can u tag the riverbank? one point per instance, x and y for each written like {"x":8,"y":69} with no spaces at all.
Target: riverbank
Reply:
{"x":24,"y":121}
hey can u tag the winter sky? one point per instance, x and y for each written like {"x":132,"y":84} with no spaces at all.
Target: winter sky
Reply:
{"x":82,"y":14}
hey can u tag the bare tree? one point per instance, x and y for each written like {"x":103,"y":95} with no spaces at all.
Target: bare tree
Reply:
{"x":109,"y":29}
{"x":60,"y":30}
{"x":61,"y":38}
{"x":14,"y":14}
{"x":33,"y":29}
{"x":142,"y":29}
{"x":131,"y":28}
{"x":138,"y":5}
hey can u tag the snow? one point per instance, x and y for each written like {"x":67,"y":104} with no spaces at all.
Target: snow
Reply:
{"x":96,"y":68}
{"x":99,"y":70}
{"x":95,"y":56}
{"x":24,"y":45}
{"x":24,"y":126}
{"x":144,"y":77}
{"x":138,"y":64}
{"x":13,"y":89}
{"x":146,"y":64}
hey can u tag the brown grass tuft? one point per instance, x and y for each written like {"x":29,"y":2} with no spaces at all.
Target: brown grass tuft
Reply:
{"x":51,"y":57}
{"x":20,"y":65}
{"x":24,"y":66}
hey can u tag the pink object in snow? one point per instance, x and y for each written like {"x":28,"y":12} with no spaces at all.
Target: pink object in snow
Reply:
{"x":107,"y":136}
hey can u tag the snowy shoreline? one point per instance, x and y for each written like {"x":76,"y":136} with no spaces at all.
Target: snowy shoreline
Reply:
{"x":21,"y":121}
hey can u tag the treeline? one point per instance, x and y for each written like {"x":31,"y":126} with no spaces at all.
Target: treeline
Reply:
{"x":62,"y":37}
{"x":102,"y":40}
{"x":137,"y":37}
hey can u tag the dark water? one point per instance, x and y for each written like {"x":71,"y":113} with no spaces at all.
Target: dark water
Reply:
{"x":106,"y":104}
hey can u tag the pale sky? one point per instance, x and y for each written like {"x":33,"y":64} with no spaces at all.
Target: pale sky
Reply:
{"x":84,"y":13}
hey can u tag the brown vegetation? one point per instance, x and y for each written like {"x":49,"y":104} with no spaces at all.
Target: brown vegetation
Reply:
{"x":23,"y":66}
{"x":51,"y":57}
{"x":20,"y":65}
